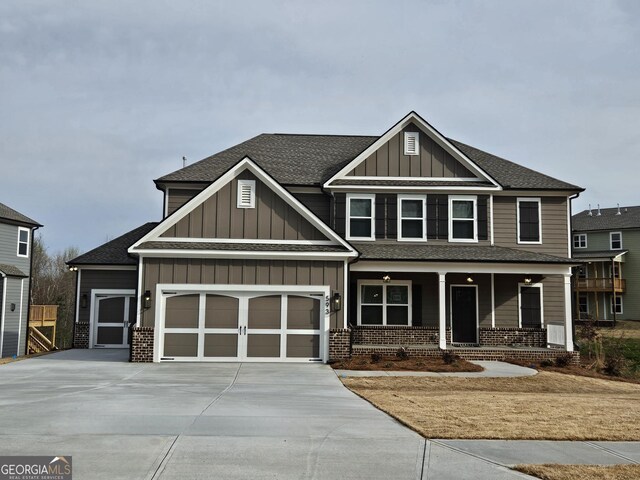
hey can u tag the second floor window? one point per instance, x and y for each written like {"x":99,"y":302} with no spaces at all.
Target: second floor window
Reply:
{"x":411,"y":217}
{"x":23,"y":242}
{"x":580,"y":240}
{"x":360,"y":217}
{"x":462,"y":219}
{"x":616,"y":240}
{"x":529,"y":228}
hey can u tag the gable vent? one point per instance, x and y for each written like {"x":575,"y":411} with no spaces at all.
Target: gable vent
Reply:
{"x":411,"y":143}
{"x":246,"y":193}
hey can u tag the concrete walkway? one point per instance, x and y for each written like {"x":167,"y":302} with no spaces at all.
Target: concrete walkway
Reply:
{"x":491,"y":369}
{"x":120,"y":420}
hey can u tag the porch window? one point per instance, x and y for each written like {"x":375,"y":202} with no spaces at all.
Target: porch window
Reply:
{"x":580,"y":240}
{"x":411,"y":217}
{"x":360,"y":217}
{"x":615,"y":240}
{"x":530,"y":306}
{"x":23,"y":242}
{"x":617,"y":303}
{"x":462,"y":219}
{"x":384,"y":304}
{"x":529,"y":225}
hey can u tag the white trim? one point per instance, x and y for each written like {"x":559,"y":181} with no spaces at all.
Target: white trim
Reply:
{"x":539,"y":202}
{"x":569,"y":244}
{"x":28,"y":230}
{"x":372,"y":199}
{"x":423,"y":199}
{"x":568,"y":331}
{"x":249,"y":241}
{"x":2,"y":314}
{"x":166,"y":253}
{"x":243,"y":293}
{"x":245,"y":164}
{"x":427,"y":129}
{"x":93,"y":323}
{"x":412,"y":179}
{"x":451,"y":310}
{"x":460,"y":267}
{"x":611,"y":234}
{"x":139,"y":293}
{"x":166,"y":202}
{"x":415,"y":136}
{"x":463,"y":198}
{"x":345,"y":295}
{"x":493,"y":300}
{"x":384,"y":304}
{"x":20,"y":321}
{"x":442,"y":310}
{"x":579,"y":235}
{"x":491,"y":219}
{"x":252,"y":193}
{"x":78,"y":288}
{"x":611,"y":297}
{"x":409,"y":188}
{"x":533,"y":285}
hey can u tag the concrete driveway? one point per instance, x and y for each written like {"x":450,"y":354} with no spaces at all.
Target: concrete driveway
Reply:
{"x":231,"y":420}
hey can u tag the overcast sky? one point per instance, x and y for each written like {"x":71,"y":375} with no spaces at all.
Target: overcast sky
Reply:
{"x":97,"y":99}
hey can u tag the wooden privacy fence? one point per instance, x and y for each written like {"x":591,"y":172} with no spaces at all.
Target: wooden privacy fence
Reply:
{"x":42,"y":316}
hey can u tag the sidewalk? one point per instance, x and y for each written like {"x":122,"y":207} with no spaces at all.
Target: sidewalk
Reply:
{"x":491,"y":369}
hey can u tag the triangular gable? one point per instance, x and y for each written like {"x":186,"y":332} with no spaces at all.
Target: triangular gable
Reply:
{"x":438,"y":158}
{"x":213,"y":216}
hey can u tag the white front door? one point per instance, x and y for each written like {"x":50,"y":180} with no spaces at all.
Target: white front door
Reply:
{"x":112,"y":315}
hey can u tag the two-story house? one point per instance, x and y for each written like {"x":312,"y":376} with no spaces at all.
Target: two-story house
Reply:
{"x":16,"y":248}
{"x":315,"y":247}
{"x":607,"y":283}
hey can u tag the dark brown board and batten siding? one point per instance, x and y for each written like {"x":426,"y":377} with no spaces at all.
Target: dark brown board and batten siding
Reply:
{"x":242,"y":272}
{"x":177,"y":197}
{"x":389,"y":160}
{"x":219,"y":217}
{"x":104,"y":280}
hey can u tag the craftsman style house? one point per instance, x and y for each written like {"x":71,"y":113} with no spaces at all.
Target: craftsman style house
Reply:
{"x":313,"y":247}
{"x":16,"y":246}
{"x":607,"y":243}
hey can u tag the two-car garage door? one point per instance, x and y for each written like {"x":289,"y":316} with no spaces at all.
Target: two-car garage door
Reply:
{"x":242,"y":326}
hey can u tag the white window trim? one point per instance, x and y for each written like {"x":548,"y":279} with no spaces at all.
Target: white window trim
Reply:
{"x":416,"y":136}
{"x":529,"y":199}
{"x":474,"y":199}
{"x":580,"y":236}
{"x":423,"y":199}
{"x":252,"y":186}
{"x":406,"y":283}
{"x":611,"y":234}
{"x":535,"y":285}
{"x":357,"y":196}
{"x":611,"y":304}
{"x":23,"y":229}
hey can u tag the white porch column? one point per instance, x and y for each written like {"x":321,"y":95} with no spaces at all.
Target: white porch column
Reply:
{"x":442,"y":299}
{"x":568,"y":321}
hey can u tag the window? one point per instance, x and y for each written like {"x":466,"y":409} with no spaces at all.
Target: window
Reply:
{"x":529,"y":225}
{"x":615,"y":239}
{"x":583,"y":304}
{"x":411,"y":217}
{"x":618,"y":304}
{"x":23,"y":242}
{"x":246,"y":193}
{"x":360,"y":217}
{"x":614,"y":271}
{"x":582,"y":272}
{"x":580,"y":240}
{"x":462,"y":219}
{"x":411,"y":143}
{"x":384,"y":303}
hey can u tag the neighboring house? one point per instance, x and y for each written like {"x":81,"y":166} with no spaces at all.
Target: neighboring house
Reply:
{"x":16,"y":247}
{"x":607,"y":284}
{"x":315,"y":247}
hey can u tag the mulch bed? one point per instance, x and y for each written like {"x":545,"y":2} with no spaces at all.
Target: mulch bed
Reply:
{"x":414,"y":364}
{"x":581,"y":370}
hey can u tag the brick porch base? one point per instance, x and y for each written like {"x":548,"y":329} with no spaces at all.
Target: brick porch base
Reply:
{"x":142,"y":344}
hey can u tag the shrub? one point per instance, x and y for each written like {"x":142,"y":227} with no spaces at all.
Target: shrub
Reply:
{"x":375,"y":357}
{"x":546,"y":363}
{"x":615,"y":361}
{"x":402,"y":353}
{"x":449,"y":357}
{"x":564,"y":360}
{"x":388,"y":365}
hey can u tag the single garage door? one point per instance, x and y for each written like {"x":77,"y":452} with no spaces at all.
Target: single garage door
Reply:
{"x":243,"y":326}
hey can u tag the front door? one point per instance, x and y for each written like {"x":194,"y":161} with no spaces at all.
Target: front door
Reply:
{"x":113,"y":315}
{"x":464,"y":314}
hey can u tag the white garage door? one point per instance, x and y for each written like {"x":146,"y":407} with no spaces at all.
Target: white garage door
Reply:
{"x":243,"y":326}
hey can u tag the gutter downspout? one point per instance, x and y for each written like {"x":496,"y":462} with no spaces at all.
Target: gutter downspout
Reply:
{"x":576,"y":307}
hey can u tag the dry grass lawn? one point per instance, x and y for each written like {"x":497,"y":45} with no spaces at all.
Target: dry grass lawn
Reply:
{"x":624,"y":328}
{"x":571,"y":472}
{"x":549,"y":405}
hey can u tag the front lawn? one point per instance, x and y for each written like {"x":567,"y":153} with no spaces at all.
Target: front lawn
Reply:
{"x":549,"y":405}
{"x":571,"y":472}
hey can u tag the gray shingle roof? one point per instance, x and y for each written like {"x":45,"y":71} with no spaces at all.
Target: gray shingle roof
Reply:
{"x":452,"y":253}
{"x":607,"y":220}
{"x":253,"y":247}
{"x":313,"y":159}
{"x":114,"y":252}
{"x":11,"y":271}
{"x":599,"y":254}
{"x":12,"y":215}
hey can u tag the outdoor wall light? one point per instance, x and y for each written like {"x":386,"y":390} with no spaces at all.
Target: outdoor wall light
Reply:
{"x":469,"y":279}
{"x":13,"y":307}
{"x":84,"y":300}
{"x":72,"y":268}
{"x":337,"y":302}
{"x":527,"y":280}
{"x":386,"y":279}
{"x":147,"y":299}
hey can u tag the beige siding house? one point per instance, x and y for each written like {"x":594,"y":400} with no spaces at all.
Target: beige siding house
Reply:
{"x":314,"y":247}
